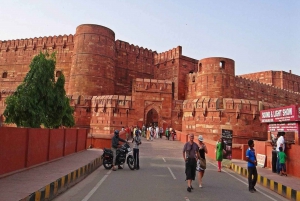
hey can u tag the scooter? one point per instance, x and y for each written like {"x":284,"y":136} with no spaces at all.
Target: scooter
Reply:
{"x":124,"y":154}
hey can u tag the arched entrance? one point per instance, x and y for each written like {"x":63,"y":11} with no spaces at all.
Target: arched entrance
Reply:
{"x":152,"y":118}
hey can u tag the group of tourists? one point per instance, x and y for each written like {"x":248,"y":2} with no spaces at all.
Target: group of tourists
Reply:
{"x":195,"y":161}
{"x":194,"y":158}
{"x":135,"y":133}
{"x":150,"y":133}
{"x":155,"y":132}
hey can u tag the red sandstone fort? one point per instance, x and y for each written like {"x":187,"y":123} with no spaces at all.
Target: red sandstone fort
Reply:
{"x":112,"y":83}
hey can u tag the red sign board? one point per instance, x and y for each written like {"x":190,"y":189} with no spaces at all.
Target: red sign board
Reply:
{"x":281,"y":114}
{"x":286,"y":127}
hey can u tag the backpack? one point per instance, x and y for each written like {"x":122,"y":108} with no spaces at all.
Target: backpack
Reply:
{"x":135,"y":140}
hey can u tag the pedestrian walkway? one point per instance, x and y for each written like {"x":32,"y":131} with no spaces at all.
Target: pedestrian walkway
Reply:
{"x":288,"y":187}
{"x":48,"y":180}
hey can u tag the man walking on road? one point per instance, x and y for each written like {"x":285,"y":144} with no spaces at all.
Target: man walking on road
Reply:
{"x":252,"y":163}
{"x":190,"y":156}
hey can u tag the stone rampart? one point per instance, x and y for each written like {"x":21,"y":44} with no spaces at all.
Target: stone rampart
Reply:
{"x":280,"y":79}
{"x":131,"y":62}
{"x":16,"y":56}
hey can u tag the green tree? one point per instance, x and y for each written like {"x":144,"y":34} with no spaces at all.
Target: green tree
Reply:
{"x":39,"y":100}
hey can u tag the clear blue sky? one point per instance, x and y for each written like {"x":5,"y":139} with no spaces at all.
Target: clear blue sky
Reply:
{"x":259,"y":35}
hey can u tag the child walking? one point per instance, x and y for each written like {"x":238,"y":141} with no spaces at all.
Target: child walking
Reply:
{"x":282,"y":159}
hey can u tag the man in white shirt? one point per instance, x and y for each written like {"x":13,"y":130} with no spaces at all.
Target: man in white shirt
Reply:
{"x":157,"y":132}
{"x":280,"y":143}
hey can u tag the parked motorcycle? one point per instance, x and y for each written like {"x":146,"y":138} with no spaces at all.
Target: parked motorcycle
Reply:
{"x":124,"y":154}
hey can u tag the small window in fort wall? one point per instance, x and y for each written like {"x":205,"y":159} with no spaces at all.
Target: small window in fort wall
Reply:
{"x":4,"y":75}
{"x":193,"y":79}
{"x":58,"y":73}
{"x":200,"y":67}
{"x":222,"y":64}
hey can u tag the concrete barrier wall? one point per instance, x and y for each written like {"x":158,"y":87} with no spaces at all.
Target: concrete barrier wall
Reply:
{"x":103,"y":141}
{"x":13,"y":149}
{"x":70,"y":141}
{"x":26,"y":147}
{"x":57,"y":141}
{"x":37,"y":150}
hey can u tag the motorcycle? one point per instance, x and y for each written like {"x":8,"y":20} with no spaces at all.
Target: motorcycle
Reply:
{"x":124,"y":154}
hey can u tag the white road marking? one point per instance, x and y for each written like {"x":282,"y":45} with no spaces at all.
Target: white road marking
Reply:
{"x":172,"y":173}
{"x":89,"y":195}
{"x":246,"y":183}
{"x":187,"y":199}
{"x":164,"y":159}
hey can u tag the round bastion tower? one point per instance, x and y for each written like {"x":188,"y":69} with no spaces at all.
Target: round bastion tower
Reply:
{"x":93,"y":62}
{"x":216,"y":76}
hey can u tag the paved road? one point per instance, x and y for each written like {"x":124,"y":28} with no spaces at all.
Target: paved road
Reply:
{"x":161,"y":177}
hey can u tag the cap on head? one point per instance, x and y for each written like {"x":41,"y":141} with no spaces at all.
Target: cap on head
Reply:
{"x":116,"y":132}
{"x":200,"y":138}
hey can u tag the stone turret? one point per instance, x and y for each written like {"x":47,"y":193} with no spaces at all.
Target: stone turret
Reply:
{"x":216,"y":77}
{"x":93,"y":63}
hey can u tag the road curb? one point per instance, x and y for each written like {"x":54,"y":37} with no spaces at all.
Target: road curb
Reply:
{"x":60,"y":185}
{"x":279,"y":188}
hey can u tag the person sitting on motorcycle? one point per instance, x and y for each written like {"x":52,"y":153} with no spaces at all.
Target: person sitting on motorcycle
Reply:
{"x":114,"y":146}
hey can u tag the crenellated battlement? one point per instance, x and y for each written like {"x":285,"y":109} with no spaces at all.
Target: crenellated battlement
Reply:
{"x":281,"y":79}
{"x":32,"y":43}
{"x":134,"y":49}
{"x":152,"y":85}
{"x":171,"y":54}
{"x":254,"y":84}
{"x":112,"y":101}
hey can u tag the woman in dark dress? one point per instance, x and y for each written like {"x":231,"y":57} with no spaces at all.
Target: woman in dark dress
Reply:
{"x":202,"y":152}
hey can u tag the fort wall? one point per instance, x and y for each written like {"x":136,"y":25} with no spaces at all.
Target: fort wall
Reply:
{"x":204,"y":116}
{"x":114,"y":84}
{"x":131,"y":62}
{"x":151,"y":94}
{"x":280,"y":79}
{"x":213,"y":81}
{"x":172,"y":65}
{"x":16,"y":56}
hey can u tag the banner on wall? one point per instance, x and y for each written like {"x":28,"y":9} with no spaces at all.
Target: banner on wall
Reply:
{"x":285,"y":127}
{"x":261,"y":160}
{"x":227,"y":138}
{"x":281,"y":114}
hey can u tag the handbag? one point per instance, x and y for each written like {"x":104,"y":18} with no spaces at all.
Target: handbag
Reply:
{"x":201,"y":164}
